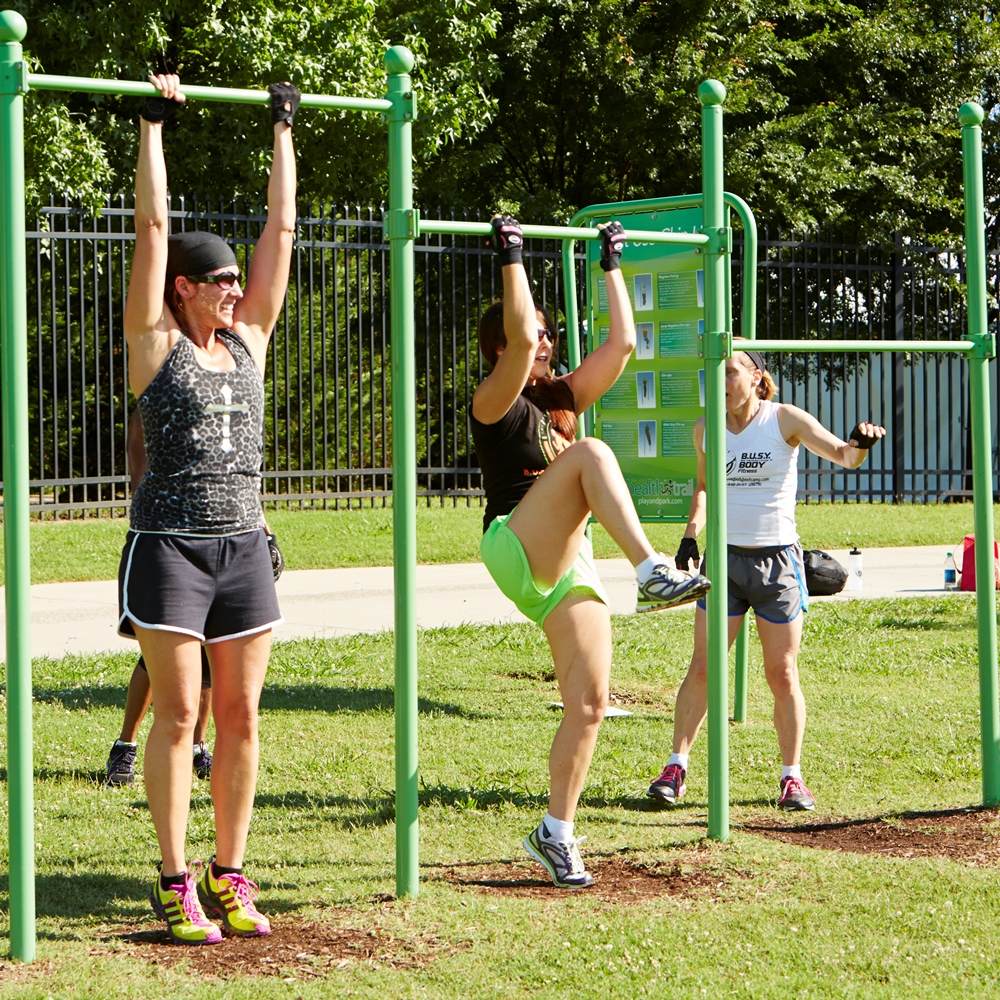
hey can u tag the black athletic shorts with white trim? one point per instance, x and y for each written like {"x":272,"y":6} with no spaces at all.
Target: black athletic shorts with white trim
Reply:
{"x":211,"y":588}
{"x":771,"y":580}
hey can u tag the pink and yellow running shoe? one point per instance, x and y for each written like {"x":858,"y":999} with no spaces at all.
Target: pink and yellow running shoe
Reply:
{"x":230,"y":897}
{"x":180,"y":908}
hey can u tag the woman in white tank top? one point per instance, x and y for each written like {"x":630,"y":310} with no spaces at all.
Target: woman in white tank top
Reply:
{"x":764,"y":559}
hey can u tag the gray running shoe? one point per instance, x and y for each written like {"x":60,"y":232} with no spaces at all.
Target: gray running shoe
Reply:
{"x":561,"y":861}
{"x":669,"y":786}
{"x":120,"y":768}
{"x":795,"y":796}
{"x":668,"y":588}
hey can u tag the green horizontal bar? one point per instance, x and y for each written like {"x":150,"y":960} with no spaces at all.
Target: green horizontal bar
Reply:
{"x":133,"y":88}
{"x":865,"y":346}
{"x":560,"y":233}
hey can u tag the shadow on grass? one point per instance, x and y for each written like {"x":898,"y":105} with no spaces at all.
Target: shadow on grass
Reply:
{"x":918,"y":624}
{"x":350,"y":812}
{"x":645,"y":804}
{"x":275,"y":698}
{"x":845,"y":824}
{"x":75,"y":895}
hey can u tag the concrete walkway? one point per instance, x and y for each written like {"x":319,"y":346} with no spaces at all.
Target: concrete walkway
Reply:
{"x":82,"y":617}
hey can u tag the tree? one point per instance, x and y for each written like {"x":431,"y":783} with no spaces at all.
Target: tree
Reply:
{"x":835,"y":113}
{"x":85,"y":144}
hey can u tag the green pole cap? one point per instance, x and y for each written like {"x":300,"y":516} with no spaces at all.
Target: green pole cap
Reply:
{"x":711,"y":92}
{"x":13,"y":27}
{"x":398,"y":60}
{"x":971,"y":114}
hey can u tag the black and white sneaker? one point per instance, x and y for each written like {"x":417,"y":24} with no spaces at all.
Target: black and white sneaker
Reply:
{"x":561,"y":861}
{"x":668,"y":588}
{"x":120,"y":768}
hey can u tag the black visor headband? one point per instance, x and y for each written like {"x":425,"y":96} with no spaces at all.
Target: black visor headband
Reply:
{"x":756,"y":357}
{"x":196,"y":252}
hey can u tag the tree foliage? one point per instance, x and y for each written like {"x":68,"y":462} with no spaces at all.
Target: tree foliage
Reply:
{"x":836,"y":112}
{"x":85,"y":144}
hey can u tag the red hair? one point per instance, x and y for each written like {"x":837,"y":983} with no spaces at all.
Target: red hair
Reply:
{"x":550,"y":394}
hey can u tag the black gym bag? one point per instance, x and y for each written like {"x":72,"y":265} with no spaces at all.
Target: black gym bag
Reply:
{"x":824,"y":575}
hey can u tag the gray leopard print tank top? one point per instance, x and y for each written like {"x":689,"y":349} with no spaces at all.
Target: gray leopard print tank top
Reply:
{"x":204,"y":435}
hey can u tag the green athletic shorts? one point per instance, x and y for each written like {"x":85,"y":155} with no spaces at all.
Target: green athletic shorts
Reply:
{"x":504,"y":557}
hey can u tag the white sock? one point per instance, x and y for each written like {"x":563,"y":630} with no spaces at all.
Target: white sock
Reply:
{"x":645,"y":569}
{"x":558,"y":829}
{"x":791,"y":771}
{"x":122,"y":743}
{"x":195,"y":750}
{"x":679,"y":758}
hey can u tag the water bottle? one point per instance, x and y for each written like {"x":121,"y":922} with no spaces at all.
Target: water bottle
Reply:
{"x":855,"y":570}
{"x":950,"y":573}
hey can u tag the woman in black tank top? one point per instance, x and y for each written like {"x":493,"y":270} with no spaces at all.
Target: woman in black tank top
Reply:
{"x":197,"y":338}
{"x":542,"y":487}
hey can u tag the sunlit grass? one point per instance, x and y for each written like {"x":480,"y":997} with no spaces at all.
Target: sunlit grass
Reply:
{"x":893,"y":725}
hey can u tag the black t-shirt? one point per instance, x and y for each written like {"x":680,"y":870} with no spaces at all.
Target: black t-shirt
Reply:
{"x":513,"y":453}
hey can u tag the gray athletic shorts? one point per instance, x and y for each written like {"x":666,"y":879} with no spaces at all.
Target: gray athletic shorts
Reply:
{"x":770,"y":580}
{"x":213,"y":589}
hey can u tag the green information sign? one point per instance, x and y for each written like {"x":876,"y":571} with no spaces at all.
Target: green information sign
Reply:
{"x":647,"y":417}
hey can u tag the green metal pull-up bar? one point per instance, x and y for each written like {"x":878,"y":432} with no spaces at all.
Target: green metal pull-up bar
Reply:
{"x":230,"y":95}
{"x":557,"y":233}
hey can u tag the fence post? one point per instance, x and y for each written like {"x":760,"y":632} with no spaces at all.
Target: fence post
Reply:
{"x":402,"y":228}
{"x":14,"y":364}
{"x":898,"y":374}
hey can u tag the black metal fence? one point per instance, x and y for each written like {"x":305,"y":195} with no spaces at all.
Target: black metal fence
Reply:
{"x":328,"y":414}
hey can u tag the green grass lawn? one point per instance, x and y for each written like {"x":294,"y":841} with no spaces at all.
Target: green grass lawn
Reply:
{"x":90,"y":549}
{"x":893,"y":726}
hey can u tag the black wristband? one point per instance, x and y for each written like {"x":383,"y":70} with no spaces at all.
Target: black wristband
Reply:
{"x":285,"y":99}
{"x":864,"y":441}
{"x":612,"y":243}
{"x":158,"y":109}
{"x":506,"y":239}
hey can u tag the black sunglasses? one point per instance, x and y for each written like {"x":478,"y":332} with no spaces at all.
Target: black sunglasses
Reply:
{"x":225,"y":281}
{"x":543,"y":333}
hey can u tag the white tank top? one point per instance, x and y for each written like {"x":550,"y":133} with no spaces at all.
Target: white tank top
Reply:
{"x":761,"y":481}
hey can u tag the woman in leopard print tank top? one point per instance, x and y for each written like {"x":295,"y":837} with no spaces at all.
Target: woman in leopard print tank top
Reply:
{"x":196,"y":567}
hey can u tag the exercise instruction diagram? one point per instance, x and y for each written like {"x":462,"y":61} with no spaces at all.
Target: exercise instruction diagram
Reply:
{"x":647,"y":417}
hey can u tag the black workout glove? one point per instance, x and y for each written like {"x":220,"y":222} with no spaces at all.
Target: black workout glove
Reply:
{"x":285,"y":99}
{"x":277,"y":559}
{"x":158,"y":109}
{"x":864,"y":441}
{"x":612,"y":243}
{"x":506,"y":239}
{"x":687,"y":551}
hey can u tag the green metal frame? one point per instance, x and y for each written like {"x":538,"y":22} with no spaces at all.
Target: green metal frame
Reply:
{"x":403,"y":226}
{"x":399,"y":110}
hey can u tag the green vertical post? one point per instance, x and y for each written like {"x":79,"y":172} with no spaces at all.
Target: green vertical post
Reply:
{"x":717,"y":347}
{"x":14,"y":380}
{"x":971,"y":117}
{"x":402,"y":228}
